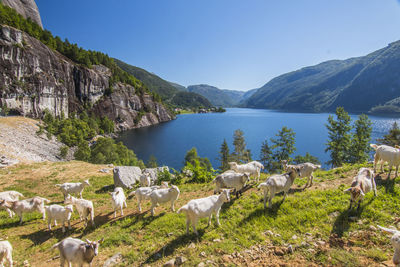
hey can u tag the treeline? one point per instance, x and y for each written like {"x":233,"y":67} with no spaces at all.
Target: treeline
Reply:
{"x":81,"y":133}
{"x":87,"y":58}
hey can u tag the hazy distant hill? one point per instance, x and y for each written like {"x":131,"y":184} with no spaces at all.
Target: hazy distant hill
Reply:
{"x":170,"y":92}
{"x":219,"y":97}
{"x":368,"y":83}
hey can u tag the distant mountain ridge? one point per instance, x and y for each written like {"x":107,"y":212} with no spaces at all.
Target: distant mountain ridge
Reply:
{"x":369,"y":83}
{"x":221,"y":97}
{"x":171,"y":93}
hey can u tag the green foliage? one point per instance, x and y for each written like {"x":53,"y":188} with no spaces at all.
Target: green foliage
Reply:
{"x":393,"y":137}
{"x":282,"y":146}
{"x":240,"y":152}
{"x":190,"y":100}
{"x":306,"y":158}
{"x":175,"y":179}
{"x":64,"y":151}
{"x":152,"y":162}
{"x":83,"y":152}
{"x":4,"y":110}
{"x":266,"y":156}
{"x":360,"y":140}
{"x":105,"y":150}
{"x":192,"y":157}
{"x":200,"y":167}
{"x":224,"y":156}
{"x":339,"y":137}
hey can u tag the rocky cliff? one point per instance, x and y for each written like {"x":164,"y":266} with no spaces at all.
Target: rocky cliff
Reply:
{"x":27,"y":8}
{"x":34,"y":77}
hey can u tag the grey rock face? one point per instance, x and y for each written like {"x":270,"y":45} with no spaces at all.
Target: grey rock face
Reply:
{"x":27,"y":8}
{"x":33,"y":78}
{"x":126,"y":176}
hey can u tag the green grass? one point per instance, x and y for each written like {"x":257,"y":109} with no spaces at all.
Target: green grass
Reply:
{"x":153,"y":240}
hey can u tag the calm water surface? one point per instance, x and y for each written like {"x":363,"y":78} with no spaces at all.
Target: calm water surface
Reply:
{"x":170,"y":141}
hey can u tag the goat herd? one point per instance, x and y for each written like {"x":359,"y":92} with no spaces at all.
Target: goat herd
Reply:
{"x":74,"y":250}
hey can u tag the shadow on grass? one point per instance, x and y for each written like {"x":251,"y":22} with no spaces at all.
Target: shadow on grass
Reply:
{"x":271,"y":212}
{"x":105,"y":189}
{"x":342,"y":222}
{"x":171,"y":246}
{"x":43,"y":235}
{"x":387,"y":183}
{"x":140,"y":217}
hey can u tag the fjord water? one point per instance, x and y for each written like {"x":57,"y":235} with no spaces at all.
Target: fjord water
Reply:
{"x":170,"y":141}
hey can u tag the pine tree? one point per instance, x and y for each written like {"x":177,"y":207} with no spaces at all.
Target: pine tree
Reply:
{"x":266,"y":156}
{"x":240,"y":153}
{"x":306,"y":158}
{"x":360,"y":140}
{"x":283,"y":146}
{"x":224,"y":156}
{"x":393,"y":137}
{"x":339,"y":137}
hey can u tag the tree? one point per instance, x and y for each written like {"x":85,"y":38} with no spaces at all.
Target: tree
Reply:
{"x":224,"y":156}
{"x":393,"y":137}
{"x":192,"y":158}
{"x":240,"y":153}
{"x":283,"y":146}
{"x":266,"y":156}
{"x":339,"y":137}
{"x":152,"y":162}
{"x":360,"y":140}
{"x":306,"y":158}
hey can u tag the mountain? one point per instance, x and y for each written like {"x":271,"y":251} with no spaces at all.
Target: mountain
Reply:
{"x":219,"y":97}
{"x":364,"y":84}
{"x":27,"y":8}
{"x":49,"y":74}
{"x":171,"y":93}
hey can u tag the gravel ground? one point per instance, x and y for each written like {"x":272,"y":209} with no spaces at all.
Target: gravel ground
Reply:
{"x":20,"y":143}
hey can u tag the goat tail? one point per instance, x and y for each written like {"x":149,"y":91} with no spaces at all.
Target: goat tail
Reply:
{"x":184,"y":208}
{"x":316,"y":167}
{"x":18,"y":194}
{"x":374,"y":146}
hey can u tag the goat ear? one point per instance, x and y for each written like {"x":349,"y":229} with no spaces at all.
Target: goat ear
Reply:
{"x":111,"y":193}
{"x":117,"y":192}
{"x":348,"y":189}
{"x":100,"y":241}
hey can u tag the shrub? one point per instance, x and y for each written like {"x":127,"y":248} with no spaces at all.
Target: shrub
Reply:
{"x":64,"y":151}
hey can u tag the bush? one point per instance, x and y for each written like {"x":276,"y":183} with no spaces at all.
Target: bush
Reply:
{"x":200,"y":173}
{"x":64,"y":151}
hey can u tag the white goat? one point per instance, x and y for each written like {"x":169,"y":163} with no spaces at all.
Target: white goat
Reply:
{"x":10,"y":196}
{"x":25,"y":206}
{"x":143,"y":193}
{"x":70,"y":188}
{"x":118,"y":200}
{"x":6,"y":252}
{"x":204,"y":207}
{"x":231,"y":180}
{"x":278,"y":183}
{"x":163,"y":195}
{"x":249,"y":168}
{"x":145,"y":179}
{"x":73,"y":250}
{"x":59,"y":213}
{"x":395,"y":240}
{"x":306,"y":170}
{"x":84,"y":208}
{"x":362,"y":184}
{"x":387,"y":154}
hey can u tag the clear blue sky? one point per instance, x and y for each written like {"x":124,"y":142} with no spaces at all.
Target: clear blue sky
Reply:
{"x":232,"y":44}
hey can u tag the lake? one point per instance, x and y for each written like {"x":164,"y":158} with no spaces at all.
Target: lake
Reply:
{"x":170,"y":141}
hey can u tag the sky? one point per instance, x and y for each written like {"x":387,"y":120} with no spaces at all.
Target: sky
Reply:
{"x":231,"y":44}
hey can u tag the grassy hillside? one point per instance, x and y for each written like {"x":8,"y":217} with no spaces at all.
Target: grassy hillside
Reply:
{"x":316,"y":222}
{"x":362,"y":84}
{"x":171,"y":93}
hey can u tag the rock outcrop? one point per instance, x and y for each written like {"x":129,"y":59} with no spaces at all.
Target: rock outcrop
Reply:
{"x":27,"y":8}
{"x":126,"y":176}
{"x":34,"y":77}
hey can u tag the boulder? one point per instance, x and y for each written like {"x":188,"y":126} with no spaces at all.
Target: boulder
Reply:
{"x":153,"y":172}
{"x":126,"y":176}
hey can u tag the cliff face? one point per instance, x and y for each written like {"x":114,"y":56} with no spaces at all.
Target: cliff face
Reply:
{"x":34,"y":78}
{"x":27,"y":8}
